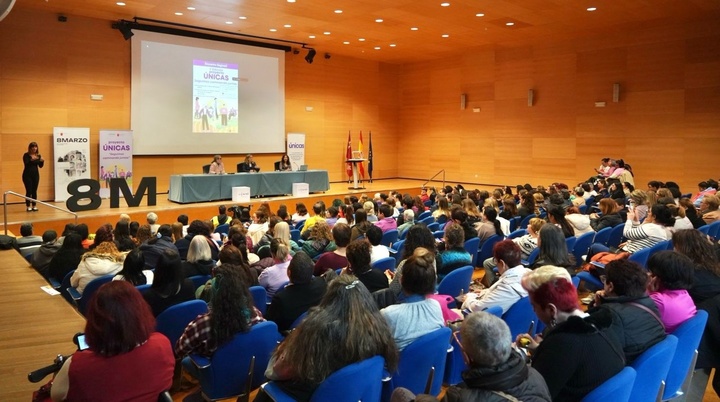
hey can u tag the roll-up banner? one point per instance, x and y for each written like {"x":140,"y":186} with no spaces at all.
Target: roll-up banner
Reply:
{"x":115,"y":159}
{"x":296,"y":149}
{"x":71,"y":158}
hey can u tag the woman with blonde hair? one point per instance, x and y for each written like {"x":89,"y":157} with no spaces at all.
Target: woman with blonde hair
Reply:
{"x":539,"y":200}
{"x":105,"y":259}
{"x":474,"y":214}
{"x":369,"y":208}
{"x":320,"y":241}
{"x":443,"y":209}
{"x":281,"y":231}
{"x":177,"y":231}
{"x":199,"y":258}
{"x":638,"y":201}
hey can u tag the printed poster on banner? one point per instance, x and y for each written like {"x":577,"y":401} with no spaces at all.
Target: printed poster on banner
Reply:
{"x":115,"y":159}
{"x":296,"y":149}
{"x":71,"y":158}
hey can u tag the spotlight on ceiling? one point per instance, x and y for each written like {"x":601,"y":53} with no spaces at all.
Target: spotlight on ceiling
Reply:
{"x":310,"y":56}
{"x":124,"y":29}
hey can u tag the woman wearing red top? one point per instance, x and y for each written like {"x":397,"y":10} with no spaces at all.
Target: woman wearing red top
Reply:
{"x":126,"y":360}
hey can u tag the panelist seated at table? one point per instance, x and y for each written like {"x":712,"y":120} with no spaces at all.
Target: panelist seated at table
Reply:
{"x":283,"y":165}
{"x":249,"y":166}
{"x":217,"y":166}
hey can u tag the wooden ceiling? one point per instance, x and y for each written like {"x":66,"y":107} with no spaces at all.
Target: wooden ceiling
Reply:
{"x":535,"y":21}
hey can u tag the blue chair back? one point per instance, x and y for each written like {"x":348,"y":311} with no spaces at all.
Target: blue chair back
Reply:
{"x":583,"y":208}
{"x":486,"y":250}
{"x":591,"y":282}
{"x":532,"y":257}
{"x":589,"y":203}
{"x":616,"y":389}
{"x":174,"y":319}
{"x":641,"y":256}
{"x":389,"y":237}
{"x":299,"y":320}
{"x":426,"y":220}
{"x":602,"y":236}
{"x":683,"y":362}
{"x":300,"y":225}
{"x":519,"y":316}
{"x":514,"y":221}
{"x":494,"y":310}
{"x":652,"y":367}
{"x":441,"y":220}
{"x":582,"y":244}
{"x":225,"y":375}
{"x":714,"y":229}
{"x":615,"y":235}
{"x":517,"y":233}
{"x":142,"y":288}
{"x":223,"y":228}
{"x":438,"y":234}
{"x":397,"y":250}
{"x":456,"y":282}
{"x":428,"y":203}
{"x":259,"y":295}
{"x":472,"y":246}
{"x":576,"y":281}
{"x":90,"y":290}
{"x":661,"y":246}
{"x":294,"y":235}
{"x":384,"y":263}
{"x":423,"y":215}
{"x":705,"y":229}
{"x":64,"y":285}
{"x":570,"y":243}
{"x":434,"y":226}
{"x":526,"y":221}
{"x":199,"y":280}
{"x":425,"y":356}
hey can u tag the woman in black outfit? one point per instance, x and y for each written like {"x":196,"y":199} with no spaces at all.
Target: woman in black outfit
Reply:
{"x":31,"y":175}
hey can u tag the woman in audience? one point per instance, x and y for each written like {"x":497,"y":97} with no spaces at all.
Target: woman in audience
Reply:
{"x":84,"y":232}
{"x":144,"y":233}
{"x":638,"y":202}
{"x":102,"y":234}
{"x":529,"y":242}
{"x":681,"y":220}
{"x":67,"y":258}
{"x":301,"y":213}
{"x":258,"y":227}
{"x":105,"y":259}
{"x":199,"y":258}
{"x":169,"y":286}
{"x":474,"y":214}
{"x":347,"y":215}
{"x":443,"y":209}
{"x":454,"y":255}
{"x":275,"y":277}
{"x":123,"y":348}
{"x":610,"y":217}
{"x":556,"y":216}
{"x":346,"y":318}
{"x":580,"y":222}
{"x":490,"y":225}
{"x":232,"y":312}
{"x":358,"y":256}
{"x":527,"y":205}
{"x":417,"y":315}
{"x":509,"y":208}
{"x":635,"y":318}
{"x":177,"y":231}
{"x":337,"y":258}
{"x":264,"y":242}
{"x":361,"y":224}
{"x":121,"y":237}
{"x":691,"y":213}
{"x":418,"y":236}
{"x":703,"y":254}
{"x":281,"y":231}
{"x":671,"y":274}
{"x":134,"y":271}
{"x":320,"y":240}
{"x":576,"y":355}
{"x":709,"y":208}
{"x":553,"y":249}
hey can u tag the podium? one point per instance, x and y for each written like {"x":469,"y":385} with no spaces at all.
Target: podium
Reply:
{"x":355,"y":162}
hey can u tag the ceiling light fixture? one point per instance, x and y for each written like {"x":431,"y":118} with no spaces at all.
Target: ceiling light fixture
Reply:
{"x":120,"y":3}
{"x":311,"y":55}
{"x":377,"y":48}
{"x":346,"y":43}
{"x":509,"y":24}
{"x":326,"y":33}
{"x":414,"y":28}
{"x":444,"y":4}
{"x":311,"y":36}
{"x":242,"y":17}
{"x":445,"y":35}
{"x":273,"y":30}
{"x":379,"y":20}
{"x":592,"y":8}
{"x":178,"y":13}
{"x":287,"y":26}
{"x":361,"y":39}
{"x":229,"y":22}
{"x":479,"y":15}
{"x":392,"y":45}
{"x":191,"y":8}
{"x":338,"y":11}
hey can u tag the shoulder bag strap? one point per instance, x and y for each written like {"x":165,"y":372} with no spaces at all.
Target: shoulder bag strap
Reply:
{"x":652,"y":313}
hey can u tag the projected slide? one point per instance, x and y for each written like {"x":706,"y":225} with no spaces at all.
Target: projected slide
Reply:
{"x":215,"y":95}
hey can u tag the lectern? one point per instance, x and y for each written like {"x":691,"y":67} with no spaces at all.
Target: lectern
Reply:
{"x":355,"y":162}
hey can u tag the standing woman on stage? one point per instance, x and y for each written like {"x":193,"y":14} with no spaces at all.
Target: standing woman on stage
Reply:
{"x":31,"y":175}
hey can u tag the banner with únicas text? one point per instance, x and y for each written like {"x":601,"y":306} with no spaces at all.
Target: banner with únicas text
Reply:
{"x":115,"y":159}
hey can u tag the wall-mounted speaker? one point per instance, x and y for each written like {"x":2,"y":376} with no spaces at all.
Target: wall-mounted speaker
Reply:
{"x":5,"y":7}
{"x":531,"y":96}
{"x":616,"y":92}
{"x":463,"y":99}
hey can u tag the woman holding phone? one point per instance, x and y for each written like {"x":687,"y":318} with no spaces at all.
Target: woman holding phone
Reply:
{"x":31,"y":174}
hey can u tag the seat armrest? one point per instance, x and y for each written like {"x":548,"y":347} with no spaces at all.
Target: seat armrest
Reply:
{"x":74,"y":293}
{"x":275,"y":393}
{"x":200,"y":362}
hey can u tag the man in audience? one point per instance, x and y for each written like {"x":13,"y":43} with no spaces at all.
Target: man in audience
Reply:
{"x":303,"y":291}
{"x":157,"y":245}
{"x":41,"y":257}
{"x":408,"y":220}
{"x":221,"y":218}
{"x":318,"y":215}
{"x":655,"y":185}
{"x":152,"y":221}
{"x":385,"y":220}
{"x":374,"y":236}
{"x":29,"y":242}
{"x":589,"y":191}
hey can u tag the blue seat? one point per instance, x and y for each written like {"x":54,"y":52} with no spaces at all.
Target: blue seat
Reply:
{"x":615,"y":237}
{"x":583,"y":209}
{"x":705,"y":229}
{"x":616,"y":389}
{"x":384,"y":263}
{"x":602,"y":236}
{"x":641,"y":256}
{"x":582,"y":244}
{"x":360,"y":381}
{"x":438,"y":234}
{"x":661,"y":246}
{"x":426,"y":220}
{"x":589,"y":204}
{"x":422,"y":365}
{"x":424,"y":214}
{"x":472,"y":246}
{"x":532,"y":257}
{"x":295,"y":235}
{"x":299,"y":320}
{"x":517,"y":233}
{"x":514,"y":222}
{"x":494,"y":310}
{"x":652,"y":367}
{"x":526,"y":221}
{"x":300,"y":225}
{"x":389,"y":237}
{"x":519,"y":316}
{"x":456,"y":282}
{"x":174,"y":319}
{"x":397,"y":250}
{"x":199,"y":280}
{"x":442,"y":221}
{"x":223,"y":228}
{"x":434,"y":226}
{"x":428,"y":203}
{"x":259,"y":295}
{"x":82,"y":300}
{"x":575,"y":281}
{"x":714,"y":229}
{"x":236,"y":367}
{"x":689,"y":334}
{"x":486,"y":250}
{"x":591,"y":282}
{"x":570,"y":243}
{"x":65,"y":286}
{"x":142,"y":288}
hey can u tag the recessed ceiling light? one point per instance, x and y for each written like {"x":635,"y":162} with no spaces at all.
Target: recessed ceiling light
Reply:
{"x":592,"y":8}
{"x":338,"y":11}
{"x":414,"y":28}
{"x":479,"y":15}
{"x":346,"y":43}
{"x":509,"y":24}
{"x":392,"y":45}
{"x":445,"y":35}
{"x":362,"y":39}
{"x":228,"y":22}
{"x":191,"y":8}
{"x":178,"y":13}
{"x":287,"y":26}
{"x":120,"y":3}
{"x":311,"y":36}
{"x":290,"y":1}
{"x":379,"y":20}
{"x":242,"y":17}
{"x":273,"y":30}
{"x":445,"y":4}
{"x":377,"y":48}
{"x":326,"y":33}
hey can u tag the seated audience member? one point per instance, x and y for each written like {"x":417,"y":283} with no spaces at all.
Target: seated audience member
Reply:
{"x":169,"y":286}
{"x":361,"y":224}
{"x":419,"y":236}
{"x":142,"y":234}
{"x":527,"y":205}
{"x":635,"y":318}
{"x":183,"y":219}
{"x":199,"y":258}
{"x":347,"y":318}
{"x":417,"y":315}
{"x":320,"y":240}
{"x":556,"y":216}
{"x":369,"y":208}
{"x":708,"y":187}
{"x":347,"y":216}
{"x":177,"y":231}
{"x":248,"y":165}
{"x":610,"y":217}
{"x":28,"y":242}
{"x":197,"y":228}
{"x":258,"y":227}
{"x":509,"y":208}
{"x":331,"y":216}
{"x":122,"y":238}
{"x":318,"y":216}
{"x":682,"y":222}
{"x":264,"y":242}
{"x":154,"y":247}
{"x":102,"y":234}
{"x":358,"y":255}
{"x":67,"y":257}
{"x":301,"y":213}
{"x":638,"y":202}
{"x":230,"y":255}
{"x":553,"y":249}
{"x":527,"y":244}
{"x":152,"y":221}
{"x":496,"y":370}
{"x":454,"y":255}
{"x":84,"y":232}
{"x":576,"y":354}
{"x":42,"y":256}
{"x":217,"y":166}
{"x":134,"y":271}
{"x":336,"y":258}
{"x":489,"y":226}
{"x":459,"y":216}
{"x":709,"y":208}
{"x":123,"y":347}
{"x":374,"y":236}
{"x":580,"y":223}
{"x":281,"y":231}
{"x":105,"y":259}
{"x":274,"y":277}
{"x":385,"y":221}
{"x":691,"y":213}
{"x":508,"y":289}
{"x":303,"y":291}
{"x":221,"y":218}
{"x":671,"y":274}
{"x":696,"y":246}
{"x":232,"y":312}
{"x":442,"y":213}
{"x":408,"y":220}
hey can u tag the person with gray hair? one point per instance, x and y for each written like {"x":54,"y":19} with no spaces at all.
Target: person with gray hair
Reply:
{"x":152,"y":221}
{"x":408,"y":220}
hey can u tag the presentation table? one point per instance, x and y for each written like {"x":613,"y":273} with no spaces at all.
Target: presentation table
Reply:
{"x":186,"y":188}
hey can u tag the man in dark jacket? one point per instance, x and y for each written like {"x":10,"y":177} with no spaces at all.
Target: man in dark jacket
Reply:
{"x":41,"y":257}
{"x":154,"y":247}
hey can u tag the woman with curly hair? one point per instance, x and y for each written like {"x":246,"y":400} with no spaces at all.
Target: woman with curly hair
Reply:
{"x":348,"y":319}
{"x":320,"y":240}
{"x":105,"y":259}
